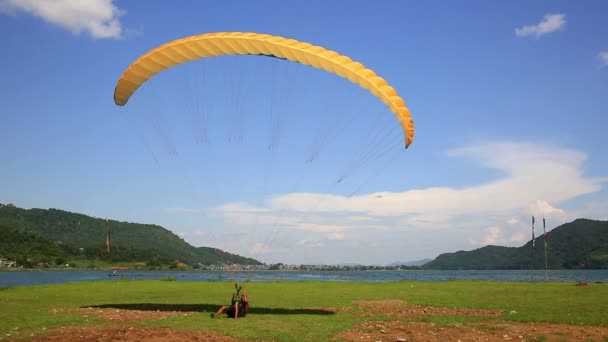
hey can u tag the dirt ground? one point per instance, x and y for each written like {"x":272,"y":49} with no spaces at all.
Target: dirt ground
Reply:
{"x":488,"y":330}
{"x":130,"y":334}
{"x":398,"y":308}
{"x":397,"y":329}
{"x":125,"y":316}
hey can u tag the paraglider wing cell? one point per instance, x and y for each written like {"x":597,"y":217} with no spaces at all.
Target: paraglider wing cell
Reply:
{"x":248,"y":43}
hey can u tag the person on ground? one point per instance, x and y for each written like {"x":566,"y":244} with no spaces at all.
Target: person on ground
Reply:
{"x":239,"y":305}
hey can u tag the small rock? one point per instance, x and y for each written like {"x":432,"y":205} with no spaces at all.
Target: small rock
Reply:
{"x":401,"y":339}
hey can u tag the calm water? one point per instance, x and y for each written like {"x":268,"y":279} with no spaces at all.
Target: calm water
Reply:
{"x":19,"y":278}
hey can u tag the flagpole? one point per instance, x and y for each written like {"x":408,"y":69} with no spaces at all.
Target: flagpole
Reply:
{"x":108,"y":243}
{"x":532,"y":253}
{"x":545,"y":240}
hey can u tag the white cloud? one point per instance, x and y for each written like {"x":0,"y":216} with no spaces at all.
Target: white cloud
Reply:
{"x":542,"y":208}
{"x":518,"y":237}
{"x":549,"y":23}
{"x":277,"y":218}
{"x":531,"y":172}
{"x":493,"y":236}
{"x":603,"y":57}
{"x":322,"y":228}
{"x":311,"y":244}
{"x":99,"y":18}
{"x":534,"y":179}
{"x":262,"y":249}
{"x":335,"y":236}
{"x":240,"y":207}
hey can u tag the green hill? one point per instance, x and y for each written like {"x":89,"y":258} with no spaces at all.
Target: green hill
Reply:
{"x":21,"y":246}
{"x":31,"y":250}
{"x":81,"y":231}
{"x":579,"y":244}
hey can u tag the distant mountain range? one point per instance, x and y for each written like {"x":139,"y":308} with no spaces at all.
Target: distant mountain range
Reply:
{"x":81,"y":231}
{"x":579,"y":244}
{"x":410,"y":263}
{"x":582,"y":243}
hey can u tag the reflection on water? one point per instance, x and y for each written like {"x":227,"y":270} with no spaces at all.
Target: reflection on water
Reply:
{"x":19,"y":278}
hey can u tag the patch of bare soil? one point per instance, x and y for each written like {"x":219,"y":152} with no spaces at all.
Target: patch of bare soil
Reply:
{"x":482,"y":331}
{"x":118,"y":315}
{"x":85,"y":334}
{"x":399,"y":308}
{"x":487,"y":331}
{"x":122,"y":331}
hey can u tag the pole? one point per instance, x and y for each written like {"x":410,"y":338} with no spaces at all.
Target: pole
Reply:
{"x":532,"y":252}
{"x":545,"y":240}
{"x":108,"y":243}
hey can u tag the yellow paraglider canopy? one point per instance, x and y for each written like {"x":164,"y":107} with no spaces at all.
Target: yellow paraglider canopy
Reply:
{"x":248,"y":43}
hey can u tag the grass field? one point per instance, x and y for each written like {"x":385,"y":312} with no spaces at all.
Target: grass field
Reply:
{"x":279,"y":309}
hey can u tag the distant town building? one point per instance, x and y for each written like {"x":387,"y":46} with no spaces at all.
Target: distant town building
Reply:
{"x":7,"y":263}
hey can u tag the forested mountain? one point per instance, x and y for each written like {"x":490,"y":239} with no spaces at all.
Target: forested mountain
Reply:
{"x":30,"y":250}
{"x":579,"y":244}
{"x":82,"y":231}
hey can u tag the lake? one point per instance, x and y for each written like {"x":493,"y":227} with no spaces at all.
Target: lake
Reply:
{"x":21,"y":278}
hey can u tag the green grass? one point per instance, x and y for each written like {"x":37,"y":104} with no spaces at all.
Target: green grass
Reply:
{"x":276,"y":307}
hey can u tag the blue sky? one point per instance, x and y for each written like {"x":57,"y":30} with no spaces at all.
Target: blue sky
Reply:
{"x":508,"y":101}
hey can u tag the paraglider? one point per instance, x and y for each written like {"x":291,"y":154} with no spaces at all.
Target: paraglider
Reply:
{"x":239,"y":305}
{"x":248,"y":43}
